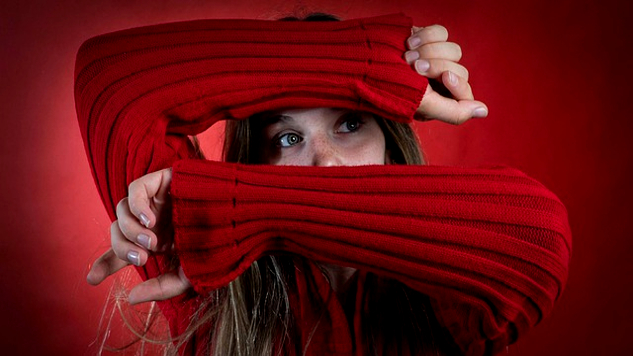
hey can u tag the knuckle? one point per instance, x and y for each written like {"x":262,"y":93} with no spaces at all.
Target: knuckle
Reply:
{"x":117,"y":240}
{"x":114,"y":238}
{"x":442,"y":32}
{"x":133,"y":206}
{"x":437,"y":67}
{"x":120,"y":254}
{"x":114,"y":227}
{"x":426,"y":35}
{"x":121,"y":205}
{"x":437,"y":33}
{"x":132,"y":194}
{"x":426,"y":51}
{"x":132,"y":186}
{"x":124,"y":227}
{"x":136,"y":199}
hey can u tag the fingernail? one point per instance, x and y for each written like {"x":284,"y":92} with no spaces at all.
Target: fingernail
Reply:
{"x":413,"y":42}
{"x":411,"y":56}
{"x":422,"y":66}
{"x":144,"y":220}
{"x":90,"y":278}
{"x":132,"y":256}
{"x":144,"y":241}
{"x":452,"y":78}
{"x":480,"y":112}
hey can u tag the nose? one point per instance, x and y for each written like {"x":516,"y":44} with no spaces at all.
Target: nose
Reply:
{"x":325,"y":153}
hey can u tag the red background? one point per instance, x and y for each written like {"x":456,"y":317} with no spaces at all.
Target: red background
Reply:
{"x":556,"y":76}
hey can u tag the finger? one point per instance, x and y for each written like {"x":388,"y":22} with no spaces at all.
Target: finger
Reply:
{"x":458,"y":86}
{"x":132,"y":229}
{"x":162,"y":287}
{"x":444,"y":50}
{"x":148,"y":194}
{"x":441,"y":50}
{"x":450,"y":110}
{"x":424,"y":35}
{"x":124,"y":249}
{"x":433,"y":68}
{"x":106,"y":265}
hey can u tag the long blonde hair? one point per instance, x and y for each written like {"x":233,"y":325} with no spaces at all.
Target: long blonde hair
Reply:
{"x":253,"y":314}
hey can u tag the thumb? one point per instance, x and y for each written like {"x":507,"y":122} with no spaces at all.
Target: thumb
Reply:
{"x":438,"y":107}
{"x":163,"y":287}
{"x":148,"y":195}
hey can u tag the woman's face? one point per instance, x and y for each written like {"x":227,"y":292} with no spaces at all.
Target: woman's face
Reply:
{"x":322,"y":137}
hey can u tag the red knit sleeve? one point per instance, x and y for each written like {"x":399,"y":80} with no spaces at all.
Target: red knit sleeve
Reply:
{"x":140,"y":92}
{"x":490,"y":246}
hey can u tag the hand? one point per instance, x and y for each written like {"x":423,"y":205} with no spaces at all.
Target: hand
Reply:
{"x":143,"y":226}
{"x":434,"y":57}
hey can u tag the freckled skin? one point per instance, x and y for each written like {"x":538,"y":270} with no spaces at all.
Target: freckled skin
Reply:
{"x":325,"y":139}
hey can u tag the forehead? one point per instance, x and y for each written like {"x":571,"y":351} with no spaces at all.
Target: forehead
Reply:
{"x":301,"y":115}
{"x":299,"y":112}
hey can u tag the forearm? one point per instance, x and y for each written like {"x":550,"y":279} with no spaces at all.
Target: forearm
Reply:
{"x":137,"y":98}
{"x":492,"y":235}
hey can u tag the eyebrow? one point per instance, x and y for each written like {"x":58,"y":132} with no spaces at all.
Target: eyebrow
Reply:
{"x":268,"y":120}
{"x":271,"y":120}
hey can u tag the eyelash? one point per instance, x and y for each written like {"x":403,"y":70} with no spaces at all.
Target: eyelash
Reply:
{"x":283,"y":141}
{"x":355,"y":118}
{"x":279,"y":140}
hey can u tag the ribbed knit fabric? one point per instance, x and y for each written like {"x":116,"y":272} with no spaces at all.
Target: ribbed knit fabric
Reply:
{"x":495,"y":261}
{"x":490,"y":246}
{"x":139,"y":92}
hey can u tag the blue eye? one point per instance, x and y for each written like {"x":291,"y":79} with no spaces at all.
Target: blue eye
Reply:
{"x":289,"y":139}
{"x":350,"y":125}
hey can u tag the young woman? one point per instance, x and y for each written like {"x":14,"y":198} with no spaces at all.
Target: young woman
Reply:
{"x":314,"y":260}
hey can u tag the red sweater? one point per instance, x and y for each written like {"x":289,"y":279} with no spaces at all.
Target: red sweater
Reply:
{"x":490,"y":246}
